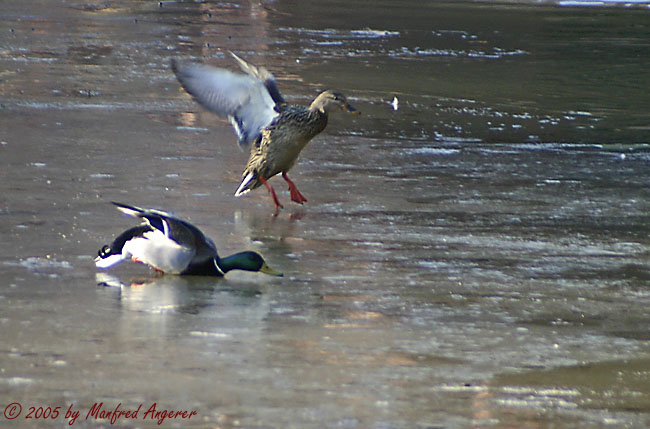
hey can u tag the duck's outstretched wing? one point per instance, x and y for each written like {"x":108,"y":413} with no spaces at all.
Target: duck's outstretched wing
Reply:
{"x":262,"y":74}
{"x":171,"y":245}
{"x":178,"y":230}
{"x":244,"y":100}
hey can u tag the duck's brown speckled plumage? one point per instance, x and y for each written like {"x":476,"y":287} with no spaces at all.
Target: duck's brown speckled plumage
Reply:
{"x":278,"y":147}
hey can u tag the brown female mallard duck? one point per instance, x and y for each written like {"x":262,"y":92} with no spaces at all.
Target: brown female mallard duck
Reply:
{"x":276,"y":131}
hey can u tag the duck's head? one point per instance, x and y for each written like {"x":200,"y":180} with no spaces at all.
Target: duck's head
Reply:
{"x":326,"y":100}
{"x":247,"y":261}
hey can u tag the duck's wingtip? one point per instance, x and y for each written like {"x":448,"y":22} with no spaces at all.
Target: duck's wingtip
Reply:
{"x":245,"y":65}
{"x":128,"y":209}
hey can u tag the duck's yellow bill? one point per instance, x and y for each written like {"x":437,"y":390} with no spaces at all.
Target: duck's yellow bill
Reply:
{"x":270,"y":271}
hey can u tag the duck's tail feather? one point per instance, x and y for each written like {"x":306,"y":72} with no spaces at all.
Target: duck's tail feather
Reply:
{"x":246,"y":184}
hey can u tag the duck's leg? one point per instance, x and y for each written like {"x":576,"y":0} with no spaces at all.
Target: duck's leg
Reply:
{"x":272,"y":192}
{"x":295,"y":193}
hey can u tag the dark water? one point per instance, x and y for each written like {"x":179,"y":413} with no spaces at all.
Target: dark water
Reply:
{"x":478,"y":257}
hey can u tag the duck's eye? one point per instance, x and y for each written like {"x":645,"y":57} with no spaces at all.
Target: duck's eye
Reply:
{"x":104,"y":251}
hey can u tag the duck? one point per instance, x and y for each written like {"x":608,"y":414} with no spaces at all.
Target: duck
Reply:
{"x":173,"y":246}
{"x":274,"y":131}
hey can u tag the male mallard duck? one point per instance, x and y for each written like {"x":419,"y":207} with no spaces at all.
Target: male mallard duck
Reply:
{"x":252,"y":102}
{"x":173,"y":246}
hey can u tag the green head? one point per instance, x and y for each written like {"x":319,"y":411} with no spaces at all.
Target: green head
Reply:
{"x":247,"y":261}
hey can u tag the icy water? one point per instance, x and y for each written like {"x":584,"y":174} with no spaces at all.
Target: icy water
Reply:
{"x":478,"y":257}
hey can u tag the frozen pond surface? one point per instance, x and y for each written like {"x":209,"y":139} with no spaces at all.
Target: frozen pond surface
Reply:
{"x":478,"y":257}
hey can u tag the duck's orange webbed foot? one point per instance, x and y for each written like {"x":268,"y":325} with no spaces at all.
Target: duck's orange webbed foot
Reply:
{"x":296,"y":196}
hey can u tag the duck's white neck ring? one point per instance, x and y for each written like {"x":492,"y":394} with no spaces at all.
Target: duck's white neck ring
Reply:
{"x":216,"y":265}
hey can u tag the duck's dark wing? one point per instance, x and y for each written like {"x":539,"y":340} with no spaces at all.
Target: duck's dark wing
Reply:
{"x":244,"y":100}
{"x":182,"y":232}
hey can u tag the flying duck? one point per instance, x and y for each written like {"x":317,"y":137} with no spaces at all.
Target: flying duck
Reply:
{"x":275,"y":130}
{"x":171,"y":245}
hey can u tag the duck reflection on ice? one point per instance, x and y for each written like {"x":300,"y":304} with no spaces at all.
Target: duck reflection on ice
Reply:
{"x":203,"y":313}
{"x":188,"y":295}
